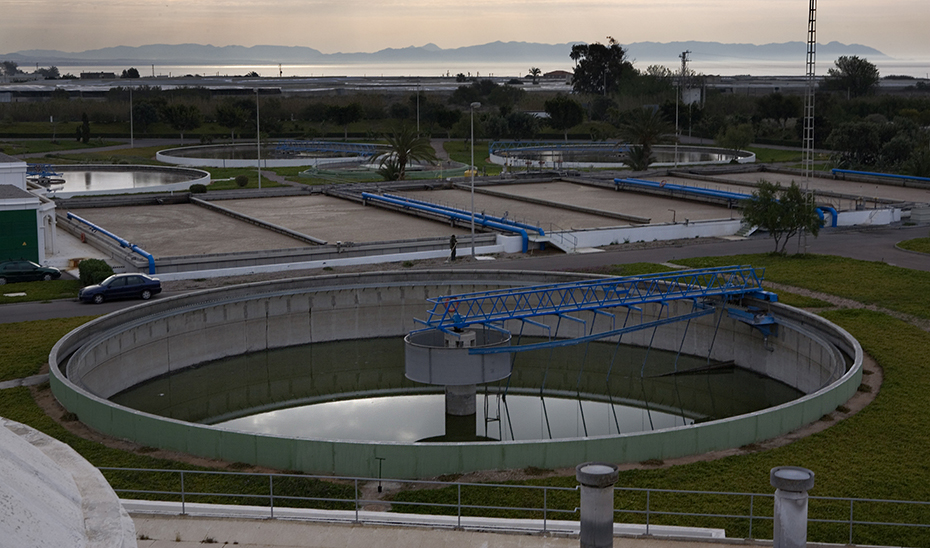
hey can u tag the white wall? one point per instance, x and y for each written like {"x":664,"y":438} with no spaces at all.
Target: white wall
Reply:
{"x":13,"y":173}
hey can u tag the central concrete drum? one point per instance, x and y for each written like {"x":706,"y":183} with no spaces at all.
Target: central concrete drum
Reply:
{"x":435,"y":357}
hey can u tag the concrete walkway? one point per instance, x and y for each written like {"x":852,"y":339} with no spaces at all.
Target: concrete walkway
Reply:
{"x":190,"y":532}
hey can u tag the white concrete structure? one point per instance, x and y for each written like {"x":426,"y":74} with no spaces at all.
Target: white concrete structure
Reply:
{"x":51,"y":496}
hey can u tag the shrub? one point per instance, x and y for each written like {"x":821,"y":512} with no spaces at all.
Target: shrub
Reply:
{"x":198,"y":188}
{"x":242,"y":181}
{"x":94,"y":271}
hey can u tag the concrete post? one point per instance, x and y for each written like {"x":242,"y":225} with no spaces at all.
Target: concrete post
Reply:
{"x":597,"y":481}
{"x":461,"y":399}
{"x":792,"y":484}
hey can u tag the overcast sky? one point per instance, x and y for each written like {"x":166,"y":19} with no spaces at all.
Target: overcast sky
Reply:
{"x":899,"y":28}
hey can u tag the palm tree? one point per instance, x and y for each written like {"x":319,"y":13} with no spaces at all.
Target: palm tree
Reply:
{"x":406,"y":146}
{"x":644,"y":128}
{"x":535,"y":72}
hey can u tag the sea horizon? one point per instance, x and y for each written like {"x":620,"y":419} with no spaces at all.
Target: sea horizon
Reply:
{"x":721,"y":67}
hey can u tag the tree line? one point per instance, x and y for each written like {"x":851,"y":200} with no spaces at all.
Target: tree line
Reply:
{"x":609,"y":98}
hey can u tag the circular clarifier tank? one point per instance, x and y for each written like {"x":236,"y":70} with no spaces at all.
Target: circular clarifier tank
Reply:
{"x":271,"y":154}
{"x":79,"y":180}
{"x":358,"y":390}
{"x":309,"y":374}
{"x":517,"y":155}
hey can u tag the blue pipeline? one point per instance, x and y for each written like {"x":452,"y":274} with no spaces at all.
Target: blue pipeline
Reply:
{"x":122,"y":242}
{"x":452,"y":215}
{"x":833,"y":214}
{"x":685,"y":189}
{"x":715,"y":193}
{"x":477,"y":215}
{"x":835,"y":171}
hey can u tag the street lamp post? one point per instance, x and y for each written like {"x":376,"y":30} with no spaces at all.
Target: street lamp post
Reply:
{"x":258,"y":140}
{"x":132,"y":143}
{"x":472,"y":167}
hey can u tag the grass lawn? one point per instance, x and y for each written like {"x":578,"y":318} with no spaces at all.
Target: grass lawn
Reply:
{"x":878,"y":453}
{"x":134,"y":156}
{"x":873,"y":283}
{"x":921,"y":245}
{"x":460,"y":151}
{"x":231,"y":173}
{"x":40,"y":291}
{"x":24,"y":346}
{"x":775,"y":155}
{"x":33,"y":146}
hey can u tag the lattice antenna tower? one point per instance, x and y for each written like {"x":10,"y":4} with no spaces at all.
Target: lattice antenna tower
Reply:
{"x":808,"y":139}
{"x":685,"y":76}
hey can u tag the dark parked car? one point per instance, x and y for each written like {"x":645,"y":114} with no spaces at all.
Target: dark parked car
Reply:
{"x":121,"y":286}
{"x":26,"y":271}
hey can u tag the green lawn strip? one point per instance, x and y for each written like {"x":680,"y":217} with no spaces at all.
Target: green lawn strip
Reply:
{"x":639,"y":269}
{"x":40,"y":291}
{"x":24,"y":346}
{"x":134,"y":156}
{"x":921,"y":245}
{"x":224,"y":178}
{"x":875,"y":283}
{"x":629,"y":269}
{"x":30,"y":146}
{"x":801,"y":301}
{"x":879,"y":453}
{"x":293,"y":173}
{"x":460,"y":151}
{"x":775,"y":155}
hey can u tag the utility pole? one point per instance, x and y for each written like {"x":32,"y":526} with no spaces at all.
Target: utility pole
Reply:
{"x":258,"y":139}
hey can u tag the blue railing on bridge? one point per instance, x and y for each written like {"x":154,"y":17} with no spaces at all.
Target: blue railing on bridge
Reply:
{"x":487,"y":307}
{"x":41,"y":170}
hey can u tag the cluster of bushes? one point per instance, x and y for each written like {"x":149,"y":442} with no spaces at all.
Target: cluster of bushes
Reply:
{"x":94,"y":271}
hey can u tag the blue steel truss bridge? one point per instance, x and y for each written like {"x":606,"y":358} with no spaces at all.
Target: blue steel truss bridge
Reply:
{"x":707,"y":289}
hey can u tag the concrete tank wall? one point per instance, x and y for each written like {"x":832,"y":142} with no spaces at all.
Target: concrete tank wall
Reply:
{"x":127,"y":347}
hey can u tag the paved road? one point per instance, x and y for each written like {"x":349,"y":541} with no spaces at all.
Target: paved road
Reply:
{"x":68,"y":308}
{"x":871,"y":244}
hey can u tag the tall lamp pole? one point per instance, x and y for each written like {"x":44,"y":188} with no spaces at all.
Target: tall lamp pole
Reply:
{"x":473,"y":107}
{"x":132,"y":143}
{"x":258,"y":140}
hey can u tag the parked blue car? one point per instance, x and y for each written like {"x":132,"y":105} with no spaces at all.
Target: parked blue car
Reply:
{"x":121,"y":286}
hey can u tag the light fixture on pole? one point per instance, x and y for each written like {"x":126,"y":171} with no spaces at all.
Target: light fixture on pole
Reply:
{"x":472,"y":168}
{"x":258,"y":140}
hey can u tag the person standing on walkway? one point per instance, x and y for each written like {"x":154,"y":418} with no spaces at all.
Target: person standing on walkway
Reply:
{"x":452,"y":244}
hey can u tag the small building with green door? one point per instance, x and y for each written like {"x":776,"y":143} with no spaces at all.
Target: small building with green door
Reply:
{"x":27,"y":220}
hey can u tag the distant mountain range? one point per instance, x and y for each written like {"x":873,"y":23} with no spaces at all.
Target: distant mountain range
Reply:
{"x":640,"y":52}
